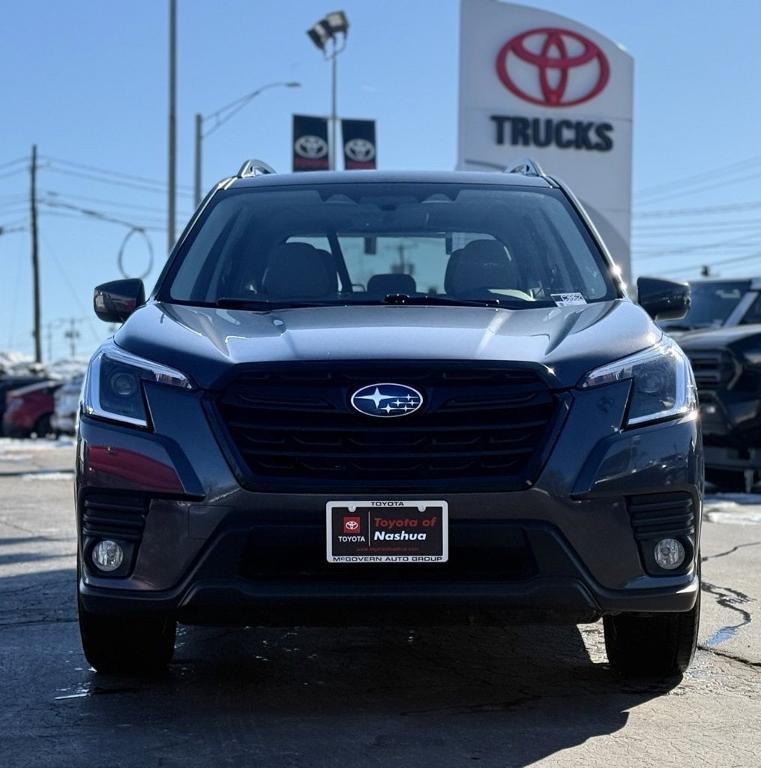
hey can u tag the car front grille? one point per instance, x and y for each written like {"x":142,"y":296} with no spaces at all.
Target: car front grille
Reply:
{"x":292,"y":426}
{"x":712,"y":368}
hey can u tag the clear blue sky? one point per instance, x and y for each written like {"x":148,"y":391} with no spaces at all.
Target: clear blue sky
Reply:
{"x":86,"y":80}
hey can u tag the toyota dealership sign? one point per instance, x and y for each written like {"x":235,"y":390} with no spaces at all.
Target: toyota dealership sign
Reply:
{"x":535,"y":84}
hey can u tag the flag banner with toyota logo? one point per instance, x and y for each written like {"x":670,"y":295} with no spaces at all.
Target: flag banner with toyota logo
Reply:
{"x":311,"y":150}
{"x":360,"y":149}
{"x":540,"y":85}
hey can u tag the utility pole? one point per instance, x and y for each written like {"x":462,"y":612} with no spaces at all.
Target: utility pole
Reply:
{"x":172,"y":181}
{"x":72,"y":335}
{"x":49,"y":327}
{"x":197,"y":175}
{"x":333,"y":108}
{"x":35,"y":255}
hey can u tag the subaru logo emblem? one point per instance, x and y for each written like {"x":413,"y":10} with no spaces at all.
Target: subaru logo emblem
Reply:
{"x":386,"y":400}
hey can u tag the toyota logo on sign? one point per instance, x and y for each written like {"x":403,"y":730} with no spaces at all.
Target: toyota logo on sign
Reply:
{"x":311,"y":147}
{"x":553,"y":67}
{"x":359,"y":150}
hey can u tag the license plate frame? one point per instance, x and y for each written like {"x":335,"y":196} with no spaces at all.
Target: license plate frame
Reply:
{"x":410,"y":531}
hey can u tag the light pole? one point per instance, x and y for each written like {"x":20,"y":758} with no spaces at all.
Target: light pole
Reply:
{"x":334,"y":28}
{"x":219,"y":118}
{"x":172,"y":153}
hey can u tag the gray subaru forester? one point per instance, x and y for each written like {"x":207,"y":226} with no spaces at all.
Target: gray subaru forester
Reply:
{"x":389,"y":398}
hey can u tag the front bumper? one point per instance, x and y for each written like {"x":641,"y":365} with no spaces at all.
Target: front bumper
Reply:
{"x":564,"y":549}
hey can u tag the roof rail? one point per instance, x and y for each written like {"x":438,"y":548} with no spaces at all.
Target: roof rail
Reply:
{"x":526,"y":167}
{"x":254,"y":168}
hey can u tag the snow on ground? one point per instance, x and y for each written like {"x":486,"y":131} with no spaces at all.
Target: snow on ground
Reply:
{"x":735,"y":508}
{"x":47,"y":476}
{"x":10,"y":445}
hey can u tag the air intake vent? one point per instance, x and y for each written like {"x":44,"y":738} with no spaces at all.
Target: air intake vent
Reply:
{"x":116,"y":516}
{"x":713,"y":368}
{"x":659,"y":515}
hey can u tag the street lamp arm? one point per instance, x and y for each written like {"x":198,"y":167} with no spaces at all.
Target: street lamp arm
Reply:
{"x":222,"y":115}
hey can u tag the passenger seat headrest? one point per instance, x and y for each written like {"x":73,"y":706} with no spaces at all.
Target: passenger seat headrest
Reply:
{"x":385,"y":284}
{"x":481,"y":264}
{"x":298,"y":271}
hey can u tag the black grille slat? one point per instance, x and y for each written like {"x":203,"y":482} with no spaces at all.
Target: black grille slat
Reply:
{"x":659,"y":515}
{"x":292,"y":424}
{"x":117,"y":516}
{"x":712,"y":368}
{"x":417,"y":456}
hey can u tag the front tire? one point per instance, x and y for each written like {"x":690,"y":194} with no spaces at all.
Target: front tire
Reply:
{"x":125,"y":644}
{"x":42,"y":428}
{"x":662,"y":645}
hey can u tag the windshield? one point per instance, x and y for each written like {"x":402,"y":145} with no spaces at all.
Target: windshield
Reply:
{"x":381,"y":242}
{"x":711,"y":304}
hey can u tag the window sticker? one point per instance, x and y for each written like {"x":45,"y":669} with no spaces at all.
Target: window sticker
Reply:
{"x":568,"y":299}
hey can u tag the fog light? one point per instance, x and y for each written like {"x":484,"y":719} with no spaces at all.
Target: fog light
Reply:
{"x":107,"y":555}
{"x":669,"y":554}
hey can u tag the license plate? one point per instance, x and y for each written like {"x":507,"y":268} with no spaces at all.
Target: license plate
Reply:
{"x":387,"y":531}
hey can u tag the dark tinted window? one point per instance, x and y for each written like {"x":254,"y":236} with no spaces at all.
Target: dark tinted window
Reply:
{"x":348,"y":243}
{"x":712,"y":303}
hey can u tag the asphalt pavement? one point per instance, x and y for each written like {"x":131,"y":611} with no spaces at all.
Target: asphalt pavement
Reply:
{"x":361,"y":697}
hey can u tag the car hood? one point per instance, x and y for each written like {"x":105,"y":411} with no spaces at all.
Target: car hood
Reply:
{"x":568,"y":341}
{"x":718,"y":337}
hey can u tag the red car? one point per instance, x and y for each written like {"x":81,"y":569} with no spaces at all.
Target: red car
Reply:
{"x":28,"y":410}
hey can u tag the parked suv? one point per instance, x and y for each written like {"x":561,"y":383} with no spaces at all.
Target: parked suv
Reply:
{"x":727,"y":366}
{"x":717,"y":303}
{"x":365,"y":398}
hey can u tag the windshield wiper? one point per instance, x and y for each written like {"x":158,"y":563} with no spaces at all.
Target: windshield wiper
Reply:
{"x":255,"y":305}
{"x":680,"y":327}
{"x":261,"y":306}
{"x":436,"y":299}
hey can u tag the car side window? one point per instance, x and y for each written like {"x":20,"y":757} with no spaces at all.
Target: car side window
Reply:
{"x":753,"y":315}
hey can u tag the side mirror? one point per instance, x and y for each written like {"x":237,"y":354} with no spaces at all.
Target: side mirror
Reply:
{"x":114,"y":302}
{"x":663,"y":299}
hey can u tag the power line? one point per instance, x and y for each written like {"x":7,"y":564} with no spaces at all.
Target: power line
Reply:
{"x":75,"y":216}
{"x":698,"y":228}
{"x":706,"y":246}
{"x":695,"y":190}
{"x":112,"y":203}
{"x":72,"y":290}
{"x":735,"y":260}
{"x":707,"y":210}
{"x":89,"y":212}
{"x":112,"y":182}
{"x":113,"y":174}
{"x":18,"y":160}
{"x":22,"y":221}
{"x":13,"y":173}
{"x":725,"y":170}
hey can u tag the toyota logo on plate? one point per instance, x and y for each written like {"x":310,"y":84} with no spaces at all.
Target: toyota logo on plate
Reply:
{"x":312,"y":147}
{"x":386,"y":400}
{"x":566,"y":67}
{"x":359,"y":150}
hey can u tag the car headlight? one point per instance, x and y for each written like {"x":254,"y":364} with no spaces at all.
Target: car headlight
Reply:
{"x":663,"y":386}
{"x":113,"y":388}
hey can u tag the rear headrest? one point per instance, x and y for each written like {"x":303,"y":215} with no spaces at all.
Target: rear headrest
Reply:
{"x":480,"y":264}
{"x":383,"y":285}
{"x":298,"y":271}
